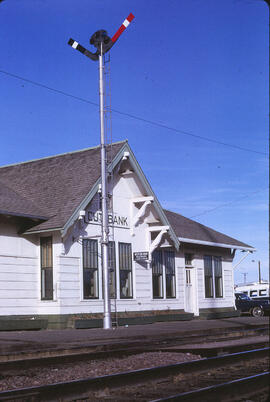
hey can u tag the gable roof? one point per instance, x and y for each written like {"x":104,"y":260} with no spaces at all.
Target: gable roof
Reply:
{"x":189,"y":231}
{"x":12,"y":203}
{"x":51,"y":187}
{"x":54,"y":189}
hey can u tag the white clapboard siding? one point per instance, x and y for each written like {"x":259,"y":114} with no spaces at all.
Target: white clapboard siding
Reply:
{"x":19,"y":281}
{"x":228,"y":284}
{"x":69,"y":291}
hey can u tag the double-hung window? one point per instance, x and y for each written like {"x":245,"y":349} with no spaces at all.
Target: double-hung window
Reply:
{"x":46,"y":263}
{"x":157,"y":274}
{"x":112,"y":270}
{"x":213,"y":276}
{"x":163,"y":266}
{"x":169,"y":262}
{"x":90,"y":269}
{"x":125,"y":270}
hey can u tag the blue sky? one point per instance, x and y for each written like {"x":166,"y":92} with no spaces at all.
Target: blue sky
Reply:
{"x":199,"y":67}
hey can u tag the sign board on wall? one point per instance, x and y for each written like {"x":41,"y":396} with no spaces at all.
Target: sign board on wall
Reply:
{"x":113,"y":219}
{"x":141,"y":256}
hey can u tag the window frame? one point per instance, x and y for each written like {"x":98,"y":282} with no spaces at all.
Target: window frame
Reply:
{"x":213,"y":283}
{"x":92,"y":270}
{"x":125,"y":259}
{"x":163,"y":273}
{"x":158,"y":275}
{"x":166,"y":268}
{"x":48,"y":241}
{"x":112,"y":271}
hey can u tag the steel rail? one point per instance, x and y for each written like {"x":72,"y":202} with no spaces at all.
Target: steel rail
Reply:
{"x":75,"y":387}
{"x":245,"y":386}
{"x":98,"y":351}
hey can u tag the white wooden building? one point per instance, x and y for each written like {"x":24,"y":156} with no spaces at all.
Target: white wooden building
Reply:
{"x":163,"y":266}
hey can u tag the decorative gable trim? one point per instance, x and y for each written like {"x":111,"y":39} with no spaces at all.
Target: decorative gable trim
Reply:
{"x":125,"y":152}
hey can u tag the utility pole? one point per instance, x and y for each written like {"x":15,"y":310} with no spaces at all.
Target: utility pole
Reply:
{"x":245,"y":276}
{"x":103,"y":43}
{"x":259,"y":268}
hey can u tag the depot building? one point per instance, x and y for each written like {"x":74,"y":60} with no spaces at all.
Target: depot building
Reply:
{"x":162,"y":266}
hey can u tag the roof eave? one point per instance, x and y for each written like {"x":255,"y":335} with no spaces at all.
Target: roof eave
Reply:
{"x":28,"y":232}
{"x":213,"y":244}
{"x":21,"y":215}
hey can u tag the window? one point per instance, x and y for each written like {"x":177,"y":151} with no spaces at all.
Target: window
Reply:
{"x":163,"y":266}
{"x":112,"y":264}
{"x":125,"y":270}
{"x":188,"y":259}
{"x":46,"y":263}
{"x":90,"y":269}
{"x":169,"y":262}
{"x":208,"y":276}
{"x":157,"y":274}
{"x":263,"y":292}
{"x":218,"y":277}
{"x":213,"y":276}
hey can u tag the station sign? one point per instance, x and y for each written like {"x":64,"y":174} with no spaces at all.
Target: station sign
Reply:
{"x":113,"y":219}
{"x":141,"y":256}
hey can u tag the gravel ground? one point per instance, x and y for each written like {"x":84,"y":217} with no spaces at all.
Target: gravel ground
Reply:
{"x":92,"y":368}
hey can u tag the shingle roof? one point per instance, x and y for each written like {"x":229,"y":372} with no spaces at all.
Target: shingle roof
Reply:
{"x":13,"y":203}
{"x":53,"y":186}
{"x":189,"y":229}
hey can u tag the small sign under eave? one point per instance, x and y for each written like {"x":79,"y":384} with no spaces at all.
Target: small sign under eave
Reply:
{"x":141,"y":256}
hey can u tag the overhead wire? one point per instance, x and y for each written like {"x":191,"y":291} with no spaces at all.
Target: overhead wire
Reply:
{"x":154,"y":123}
{"x":227,"y":203}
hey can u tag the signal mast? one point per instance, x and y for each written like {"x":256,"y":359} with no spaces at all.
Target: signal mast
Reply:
{"x":103,"y":43}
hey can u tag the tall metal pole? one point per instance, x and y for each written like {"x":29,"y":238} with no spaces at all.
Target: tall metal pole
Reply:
{"x":104,"y":196}
{"x":259,"y":268}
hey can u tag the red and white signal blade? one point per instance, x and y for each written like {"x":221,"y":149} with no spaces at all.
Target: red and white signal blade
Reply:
{"x":122,"y":27}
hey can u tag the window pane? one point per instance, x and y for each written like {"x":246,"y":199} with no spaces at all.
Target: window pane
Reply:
{"x":90,"y":268}
{"x":90,"y":283}
{"x":170,"y":286}
{"x":125,"y":284}
{"x":46,"y":262}
{"x":112,"y":265}
{"x":157,"y":266}
{"x":188,"y":259}
{"x":169,"y":262}
{"x":157,"y":280}
{"x":157,"y":274}
{"x":125,"y":262}
{"x":218,"y":277}
{"x":125,"y":270}
{"x":208,"y":276}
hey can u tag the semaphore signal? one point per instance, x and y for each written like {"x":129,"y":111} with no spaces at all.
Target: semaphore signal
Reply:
{"x":103,"y":43}
{"x":99,"y":37}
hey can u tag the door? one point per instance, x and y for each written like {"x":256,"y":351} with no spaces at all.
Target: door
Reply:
{"x":189,"y":290}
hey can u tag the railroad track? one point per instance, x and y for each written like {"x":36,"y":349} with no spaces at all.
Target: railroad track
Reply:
{"x":251,"y":386}
{"x":127,"y":348}
{"x":81,"y":389}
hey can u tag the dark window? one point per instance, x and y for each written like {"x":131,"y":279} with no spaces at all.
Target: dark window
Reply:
{"x":213,"y":276}
{"x":218,"y":277}
{"x":208,"y":276}
{"x":112,"y":265}
{"x":169,"y":262}
{"x":125,"y":270}
{"x":90,"y":269}
{"x":46,"y":262}
{"x":188,"y":259}
{"x":157,"y":274}
{"x":263,"y":292}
